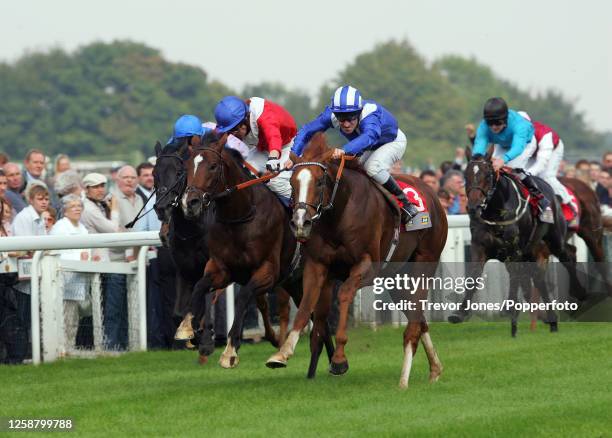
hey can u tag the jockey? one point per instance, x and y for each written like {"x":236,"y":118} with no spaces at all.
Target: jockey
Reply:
{"x":515,"y":144}
{"x":185,"y":128}
{"x":544,"y":162}
{"x":372,"y":132}
{"x":267,"y":128}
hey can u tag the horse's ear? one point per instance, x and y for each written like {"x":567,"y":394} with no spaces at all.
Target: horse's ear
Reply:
{"x":158,"y":148}
{"x":468,"y":153}
{"x":221,"y":142}
{"x":294,"y":158}
{"x":327,"y":155}
{"x":195,"y":141}
{"x":490,"y":152}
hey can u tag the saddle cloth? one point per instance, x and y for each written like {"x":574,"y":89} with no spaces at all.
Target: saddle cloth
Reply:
{"x":571,"y":217}
{"x":421,"y":220}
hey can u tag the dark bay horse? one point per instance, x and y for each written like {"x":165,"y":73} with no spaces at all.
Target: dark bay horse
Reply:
{"x":187,"y":241}
{"x":347,"y":239}
{"x":503,"y":228}
{"x":249,"y":238}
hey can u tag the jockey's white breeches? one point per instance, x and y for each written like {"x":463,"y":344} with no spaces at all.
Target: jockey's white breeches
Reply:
{"x":378,"y":162}
{"x":280,"y":184}
{"x":546,"y":165}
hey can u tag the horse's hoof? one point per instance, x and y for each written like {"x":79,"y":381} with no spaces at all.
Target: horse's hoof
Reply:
{"x":403,"y":384}
{"x":184,"y":332}
{"x":554,"y":327}
{"x":338,"y":369}
{"x":277,"y":361}
{"x":513,"y":331}
{"x":202,"y":359}
{"x":435,"y":374}
{"x":228,"y":361}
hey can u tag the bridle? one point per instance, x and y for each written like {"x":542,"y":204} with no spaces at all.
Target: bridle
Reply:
{"x":320,"y":208}
{"x":206,"y":197}
{"x":220,"y":181}
{"x":164,"y":192}
{"x":495,"y":176}
{"x":492,"y":179}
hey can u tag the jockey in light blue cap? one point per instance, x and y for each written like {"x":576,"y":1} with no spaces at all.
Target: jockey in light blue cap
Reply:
{"x":372,"y":133}
{"x":185,"y":128}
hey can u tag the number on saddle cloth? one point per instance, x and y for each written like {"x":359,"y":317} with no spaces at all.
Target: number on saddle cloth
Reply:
{"x":421,"y":220}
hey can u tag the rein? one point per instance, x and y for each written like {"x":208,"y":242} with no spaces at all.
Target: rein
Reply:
{"x":520,"y":209}
{"x":207,"y":198}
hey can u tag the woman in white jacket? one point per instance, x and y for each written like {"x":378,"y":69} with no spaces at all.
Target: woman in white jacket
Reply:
{"x":76,"y":285}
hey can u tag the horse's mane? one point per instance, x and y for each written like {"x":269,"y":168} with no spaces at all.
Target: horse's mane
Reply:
{"x":318,"y":150}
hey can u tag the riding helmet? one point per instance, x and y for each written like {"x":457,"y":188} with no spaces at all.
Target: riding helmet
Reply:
{"x":495,"y":109}
{"x":346,"y":99}
{"x":229,"y":112}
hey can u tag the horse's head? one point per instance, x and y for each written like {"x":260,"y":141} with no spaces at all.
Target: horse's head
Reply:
{"x":205,"y":175}
{"x":480,"y":181}
{"x":311,"y":186}
{"x":169,"y":178}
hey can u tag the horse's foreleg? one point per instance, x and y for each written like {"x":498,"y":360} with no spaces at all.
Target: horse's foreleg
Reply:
{"x":315,"y":274}
{"x":320,"y":333}
{"x":261,"y":281}
{"x":264,"y":309}
{"x":339,"y":364}
{"x":514,"y":274}
{"x":284,"y":306}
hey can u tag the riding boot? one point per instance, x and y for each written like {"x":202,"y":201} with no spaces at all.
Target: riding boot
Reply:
{"x":546,"y":214}
{"x":408,"y":209}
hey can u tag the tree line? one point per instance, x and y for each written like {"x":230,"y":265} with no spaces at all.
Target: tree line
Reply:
{"x":111,"y":100}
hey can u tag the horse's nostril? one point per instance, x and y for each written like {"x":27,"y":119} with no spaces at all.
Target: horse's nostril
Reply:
{"x":193,"y":202}
{"x":307,"y":223}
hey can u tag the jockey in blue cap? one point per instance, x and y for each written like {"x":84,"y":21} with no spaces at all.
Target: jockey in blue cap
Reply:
{"x":372,"y":133}
{"x":185,"y":128}
{"x":267,"y":129}
{"x":515,"y":143}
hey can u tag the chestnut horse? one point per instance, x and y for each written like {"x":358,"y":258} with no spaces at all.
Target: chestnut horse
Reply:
{"x":591,"y":227}
{"x":347,"y":238}
{"x":249,"y":239}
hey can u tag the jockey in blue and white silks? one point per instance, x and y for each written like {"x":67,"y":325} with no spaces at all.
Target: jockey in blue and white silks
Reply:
{"x":515,"y":143}
{"x":372,"y":133}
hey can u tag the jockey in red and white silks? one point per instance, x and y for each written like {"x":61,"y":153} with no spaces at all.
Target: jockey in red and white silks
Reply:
{"x":545,"y":161}
{"x":267,"y":129}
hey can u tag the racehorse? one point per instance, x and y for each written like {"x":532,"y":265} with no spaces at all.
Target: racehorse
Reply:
{"x":503,"y":228}
{"x":249,"y":238}
{"x":591,"y":226}
{"x":348,"y":229}
{"x":186,"y":240}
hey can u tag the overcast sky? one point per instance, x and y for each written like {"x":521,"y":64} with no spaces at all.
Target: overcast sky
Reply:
{"x":537,"y":44}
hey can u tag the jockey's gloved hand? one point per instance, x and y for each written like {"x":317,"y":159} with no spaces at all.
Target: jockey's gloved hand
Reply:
{"x":273,"y":164}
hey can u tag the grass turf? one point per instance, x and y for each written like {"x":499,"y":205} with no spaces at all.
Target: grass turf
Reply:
{"x":539,"y":384}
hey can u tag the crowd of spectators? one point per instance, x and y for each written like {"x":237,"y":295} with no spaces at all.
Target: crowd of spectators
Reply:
{"x":39,"y":197}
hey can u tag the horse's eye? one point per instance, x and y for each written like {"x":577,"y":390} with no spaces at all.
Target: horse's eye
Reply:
{"x":213,"y":166}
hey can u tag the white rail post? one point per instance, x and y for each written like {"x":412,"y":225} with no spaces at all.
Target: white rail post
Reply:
{"x":142,"y":296}
{"x":35,"y":307}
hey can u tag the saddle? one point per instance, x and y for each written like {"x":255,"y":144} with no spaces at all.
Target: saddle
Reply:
{"x":570,"y":213}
